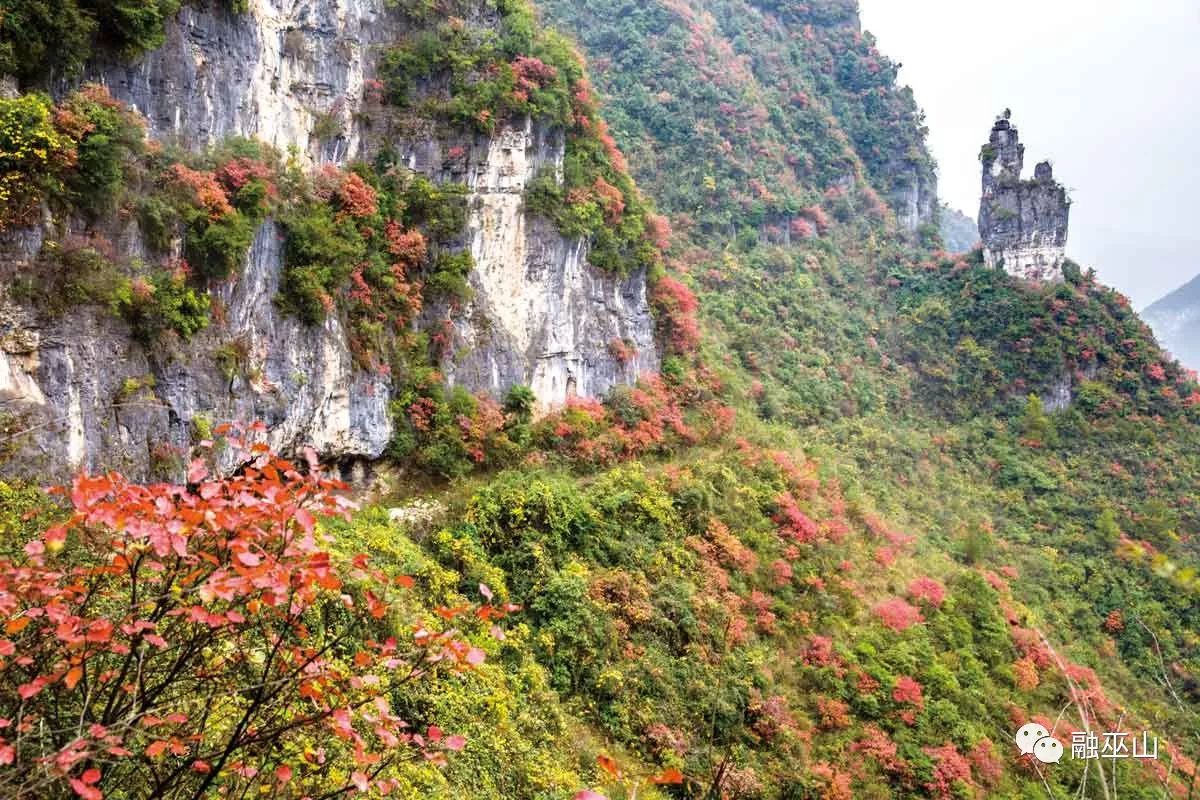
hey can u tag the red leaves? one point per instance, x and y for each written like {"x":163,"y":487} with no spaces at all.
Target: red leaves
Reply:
{"x":84,"y":785}
{"x":897,"y":614}
{"x":676,"y":307}
{"x":203,"y":189}
{"x":357,"y":198}
{"x":533,"y":73}
{"x":908,"y":691}
{"x":360,"y":781}
{"x":950,"y":768}
{"x":377,"y":607}
{"x":669,"y":776}
{"x":609,"y":765}
{"x":73,"y":676}
{"x":927,"y":590}
{"x":230,"y":581}
{"x":611,"y":200}
{"x":197,"y":471}
{"x":793,"y":523}
{"x":834,"y":714}
{"x":29,"y":690}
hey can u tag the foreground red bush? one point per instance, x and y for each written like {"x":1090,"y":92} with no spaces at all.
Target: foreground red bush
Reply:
{"x":200,"y":641}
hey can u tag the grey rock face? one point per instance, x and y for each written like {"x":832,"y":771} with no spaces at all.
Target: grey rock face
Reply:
{"x":1023,"y":223}
{"x":94,"y":398}
{"x":914,"y":197}
{"x":102,"y":401}
{"x":540,"y":315}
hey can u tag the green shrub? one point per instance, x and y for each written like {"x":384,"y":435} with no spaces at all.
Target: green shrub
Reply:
{"x":38,"y":37}
{"x":32,"y":154}
{"x":70,"y":274}
{"x":217,"y":248}
{"x":114,"y":137}
{"x":163,"y":302}
{"x":319,"y":254}
{"x":448,"y":277}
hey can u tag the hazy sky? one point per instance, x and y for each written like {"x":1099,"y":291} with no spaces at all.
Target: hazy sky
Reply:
{"x":1108,"y":91}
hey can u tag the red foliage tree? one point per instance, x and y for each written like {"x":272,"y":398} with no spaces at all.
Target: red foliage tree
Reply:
{"x":793,"y":523}
{"x":927,"y":590}
{"x":877,"y":745}
{"x":908,"y":691}
{"x":202,"y":188}
{"x":200,"y":641}
{"x":834,"y":714}
{"x":950,"y":769}
{"x":986,"y":764}
{"x":676,"y":307}
{"x":898,"y":614}
{"x":1025,"y":674}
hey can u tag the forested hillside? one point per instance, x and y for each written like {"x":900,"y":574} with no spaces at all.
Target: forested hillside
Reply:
{"x":877,"y":507}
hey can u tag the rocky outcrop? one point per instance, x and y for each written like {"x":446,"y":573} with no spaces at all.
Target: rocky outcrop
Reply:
{"x":540,"y":315}
{"x":1023,"y":223}
{"x":292,"y":74}
{"x":913,"y":196}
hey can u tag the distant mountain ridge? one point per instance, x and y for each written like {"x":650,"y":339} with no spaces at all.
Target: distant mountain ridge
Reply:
{"x":1175,"y":319}
{"x":959,"y":232}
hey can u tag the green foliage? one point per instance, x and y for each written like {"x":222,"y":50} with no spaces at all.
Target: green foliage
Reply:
{"x":495,"y":76}
{"x":43,"y":39}
{"x":37,"y":36}
{"x":217,"y":247}
{"x":32,"y":153}
{"x":485,"y":80}
{"x":450,"y":432}
{"x":163,"y":302}
{"x":69,"y":274}
{"x":320,"y":252}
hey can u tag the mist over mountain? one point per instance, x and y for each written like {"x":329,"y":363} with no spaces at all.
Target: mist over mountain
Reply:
{"x":1175,"y":319}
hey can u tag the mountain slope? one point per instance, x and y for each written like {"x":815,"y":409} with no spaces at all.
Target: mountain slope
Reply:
{"x":959,"y":232}
{"x":838,"y":545}
{"x":1176,"y":320}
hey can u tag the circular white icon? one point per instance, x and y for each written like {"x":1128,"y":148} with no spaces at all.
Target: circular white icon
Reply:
{"x":1048,"y":750}
{"x":1028,"y":735}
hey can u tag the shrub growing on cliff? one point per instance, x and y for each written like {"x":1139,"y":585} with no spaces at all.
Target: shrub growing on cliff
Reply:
{"x":163,"y":302}
{"x":33,"y":152}
{"x":110,"y":136}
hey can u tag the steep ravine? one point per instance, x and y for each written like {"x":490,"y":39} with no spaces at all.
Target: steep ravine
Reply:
{"x":92,"y":397}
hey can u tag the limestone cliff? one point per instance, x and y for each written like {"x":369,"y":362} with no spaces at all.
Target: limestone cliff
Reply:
{"x":292,"y":74}
{"x":1023,"y":223}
